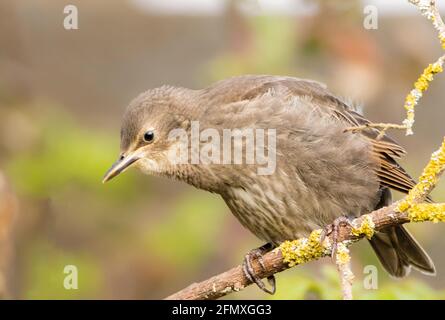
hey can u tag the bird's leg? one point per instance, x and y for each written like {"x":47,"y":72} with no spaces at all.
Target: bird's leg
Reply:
{"x":334,"y":229}
{"x":249,"y":272}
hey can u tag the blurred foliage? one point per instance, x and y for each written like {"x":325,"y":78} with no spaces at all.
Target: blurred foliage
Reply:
{"x":44,"y":276}
{"x":66,"y":155}
{"x":181,"y":238}
{"x":270,"y":49}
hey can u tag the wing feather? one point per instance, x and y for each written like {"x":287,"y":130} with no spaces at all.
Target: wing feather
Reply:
{"x":385,"y":149}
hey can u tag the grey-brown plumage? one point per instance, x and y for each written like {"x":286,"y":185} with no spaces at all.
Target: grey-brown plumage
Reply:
{"x":322,"y":172}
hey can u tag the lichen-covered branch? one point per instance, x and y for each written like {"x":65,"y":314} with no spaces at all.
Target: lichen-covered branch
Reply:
{"x":291,"y":253}
{"x":343,"y":262}
{"x":411,"y":101}
{"x":427,"y":181}
{"x":429,"y":9}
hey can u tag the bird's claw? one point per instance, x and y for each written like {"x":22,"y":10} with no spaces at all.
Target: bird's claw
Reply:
{"x":333,"y":229}
{"x":249,"y":272}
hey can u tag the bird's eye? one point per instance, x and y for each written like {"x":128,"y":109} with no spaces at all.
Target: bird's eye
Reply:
{"x":149,"y":136}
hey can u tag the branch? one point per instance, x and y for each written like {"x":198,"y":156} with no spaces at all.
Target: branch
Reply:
{"x":292,"y":253}
{"x":343,"y":262}
{"x":411,"y":101}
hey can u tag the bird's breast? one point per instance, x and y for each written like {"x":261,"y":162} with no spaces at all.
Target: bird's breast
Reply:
{"x":302,"y":195}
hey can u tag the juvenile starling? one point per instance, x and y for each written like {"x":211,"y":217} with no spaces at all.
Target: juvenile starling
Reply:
{"x":321,"y":173}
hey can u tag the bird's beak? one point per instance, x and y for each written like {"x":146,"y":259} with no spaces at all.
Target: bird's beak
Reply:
{"x":120,"y":166}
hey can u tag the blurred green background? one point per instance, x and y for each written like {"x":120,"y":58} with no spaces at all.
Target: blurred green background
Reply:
{"x":62,"y":95}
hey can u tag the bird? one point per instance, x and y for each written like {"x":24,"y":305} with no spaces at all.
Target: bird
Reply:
{"x":321,"y":172}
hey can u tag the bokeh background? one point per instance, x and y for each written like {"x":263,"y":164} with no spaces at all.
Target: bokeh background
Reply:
{"x":62,"y":95}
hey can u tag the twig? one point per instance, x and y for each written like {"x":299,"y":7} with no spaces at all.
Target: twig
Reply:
{"x":411,"y":100}
{"x":427,"y":8}
{"x":383,"y":126}
{"x":343,"y":262}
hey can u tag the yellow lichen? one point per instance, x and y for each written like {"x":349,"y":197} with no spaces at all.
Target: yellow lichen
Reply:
{"x":366,"y":228}
{"x":303,"y":250}
{"x":431,"y":12}
{"x":342,"y":256}
{"x":434,"y":212}
{"x":427,"y":180}
{"x":420,"y":86}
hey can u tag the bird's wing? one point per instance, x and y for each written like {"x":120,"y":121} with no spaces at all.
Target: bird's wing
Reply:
{"x":385,"y":149}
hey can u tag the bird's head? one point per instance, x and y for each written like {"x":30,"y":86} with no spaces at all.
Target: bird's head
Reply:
{"x":145,"y":129}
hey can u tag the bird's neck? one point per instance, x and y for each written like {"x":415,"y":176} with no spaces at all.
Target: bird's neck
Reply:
{"x":198,"y":175}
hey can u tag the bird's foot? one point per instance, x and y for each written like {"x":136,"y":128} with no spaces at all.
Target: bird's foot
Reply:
{"x":334,"y":229}
{"x":249,"y":272}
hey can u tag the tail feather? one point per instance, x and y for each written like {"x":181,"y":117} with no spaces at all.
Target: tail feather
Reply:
{"x":397,"y":250}
{"x":388,"y":255}
{"x":411,"y":252}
